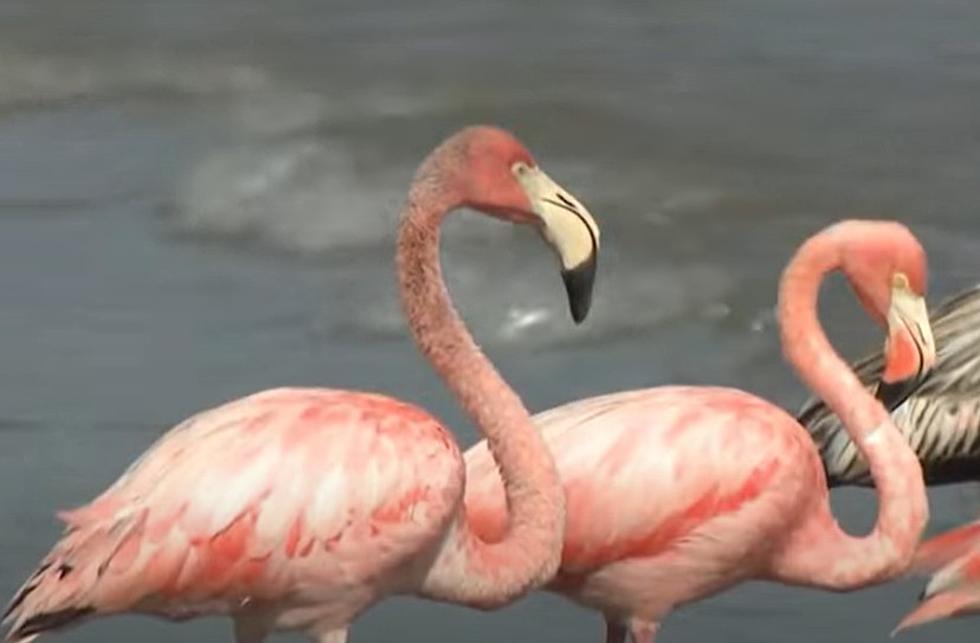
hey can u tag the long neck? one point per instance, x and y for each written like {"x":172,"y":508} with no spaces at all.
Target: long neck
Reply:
{"x":466,"y":569}
{"x":828,"y":556}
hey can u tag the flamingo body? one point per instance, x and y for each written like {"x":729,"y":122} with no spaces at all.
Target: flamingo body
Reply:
{"x":302,"y":505}
{"x":672,"y":494}
{"x":675,"y":493}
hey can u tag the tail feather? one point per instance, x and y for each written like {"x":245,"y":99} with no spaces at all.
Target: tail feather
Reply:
{"x":42,"y":603}
{"x":940,"y":550}
{"x":954,"y":588}
{"x":67,"y":585}
{"x":45,"y":622}
{"x":940,"y":606}
{"x":23,"y":593}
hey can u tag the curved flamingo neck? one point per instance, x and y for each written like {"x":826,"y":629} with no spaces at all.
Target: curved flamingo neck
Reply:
{"x":805,"y":345}
{"x":466,"y":569}
{"x":827,"y":556}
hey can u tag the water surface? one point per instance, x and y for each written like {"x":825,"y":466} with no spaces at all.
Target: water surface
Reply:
{"x":197,"y":202}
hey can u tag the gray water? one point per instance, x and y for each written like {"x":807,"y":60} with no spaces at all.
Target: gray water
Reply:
{"x":197,"y":199}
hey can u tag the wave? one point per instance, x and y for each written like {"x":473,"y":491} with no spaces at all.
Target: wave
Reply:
{"x":303,"y":196}
{"x":330,"y":198}
{"x":33,"y":79}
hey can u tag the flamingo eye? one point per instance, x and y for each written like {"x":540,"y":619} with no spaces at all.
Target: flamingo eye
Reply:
{"x":520,"y":168}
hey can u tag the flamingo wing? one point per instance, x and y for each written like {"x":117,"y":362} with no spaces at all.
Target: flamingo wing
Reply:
{"x":296,"y":494}
{"x":941,"y":418}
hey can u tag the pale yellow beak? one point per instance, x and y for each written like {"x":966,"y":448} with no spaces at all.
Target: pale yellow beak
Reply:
{"x":570,"y":230}
{"x":910,"y":351}
{"x":909,"y":310}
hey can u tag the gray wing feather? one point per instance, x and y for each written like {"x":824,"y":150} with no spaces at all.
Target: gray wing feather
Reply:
{"x":940,"y":419}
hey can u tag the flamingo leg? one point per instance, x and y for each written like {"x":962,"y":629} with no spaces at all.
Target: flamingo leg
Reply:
{"x":250,"y":628}
{"x":333,"y":636}
{"x":642,"y":631}
{"x":615,"y":632}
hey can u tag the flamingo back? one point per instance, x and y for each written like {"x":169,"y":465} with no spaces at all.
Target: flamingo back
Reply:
{"x":643,"y":469}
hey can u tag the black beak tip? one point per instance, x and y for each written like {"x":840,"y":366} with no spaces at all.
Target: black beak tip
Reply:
{"x":578,"y":284}
{"x":893,"y":394}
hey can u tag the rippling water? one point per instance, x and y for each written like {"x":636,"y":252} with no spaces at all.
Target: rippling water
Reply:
{"x":197,"y":202}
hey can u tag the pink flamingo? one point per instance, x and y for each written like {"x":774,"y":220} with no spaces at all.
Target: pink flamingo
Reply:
{"x":676,"y":493}
{"x":954,"y":589}
{"x":297,"y":509}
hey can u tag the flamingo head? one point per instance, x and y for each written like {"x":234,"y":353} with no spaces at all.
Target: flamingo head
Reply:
{"x":495,"y":174}
{"x":888,"y":273}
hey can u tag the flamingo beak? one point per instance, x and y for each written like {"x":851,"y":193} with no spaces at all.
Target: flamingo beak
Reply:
{"x":910,"y":351}
{"x":570,"y":230}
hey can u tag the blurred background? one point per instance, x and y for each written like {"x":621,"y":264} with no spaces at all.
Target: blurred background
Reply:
{"x":197,"y":201}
